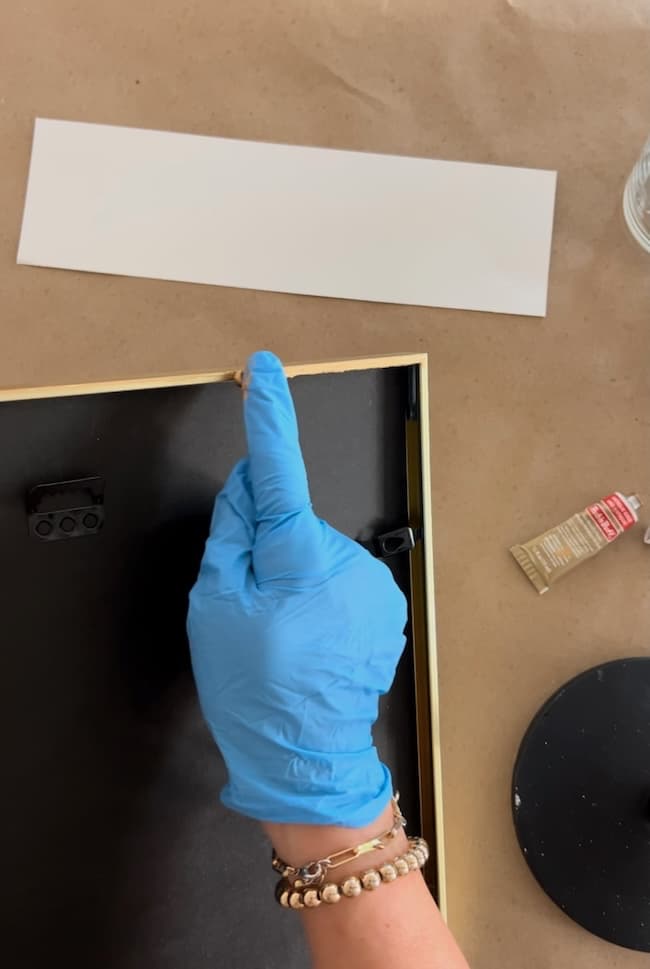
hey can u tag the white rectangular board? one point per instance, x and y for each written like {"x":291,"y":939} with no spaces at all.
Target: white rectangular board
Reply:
{"x":292,"y":219}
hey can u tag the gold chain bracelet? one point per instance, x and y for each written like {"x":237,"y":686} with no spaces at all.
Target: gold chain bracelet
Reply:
{"x":314,"y":871}
{"x":299,"y":895}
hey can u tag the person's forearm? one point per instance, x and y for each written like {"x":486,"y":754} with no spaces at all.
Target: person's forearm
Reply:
{"x":398,"y":925}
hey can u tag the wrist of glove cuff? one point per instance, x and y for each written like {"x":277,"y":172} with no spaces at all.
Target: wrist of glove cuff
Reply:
{"x":302,"y":787}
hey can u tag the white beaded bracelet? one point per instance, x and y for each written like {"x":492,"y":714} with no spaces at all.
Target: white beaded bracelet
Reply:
{"x":297,"y":895}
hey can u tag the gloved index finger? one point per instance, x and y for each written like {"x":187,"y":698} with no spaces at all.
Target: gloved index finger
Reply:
{"x":277,"y":469}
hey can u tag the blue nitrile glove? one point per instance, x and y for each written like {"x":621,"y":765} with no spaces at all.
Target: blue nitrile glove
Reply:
{"x":295,"y":631}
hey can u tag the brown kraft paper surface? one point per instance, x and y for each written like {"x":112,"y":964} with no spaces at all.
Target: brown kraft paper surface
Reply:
{"x":529,"y":417}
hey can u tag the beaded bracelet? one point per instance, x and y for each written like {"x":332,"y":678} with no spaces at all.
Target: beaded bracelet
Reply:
{"x":298,"y":895}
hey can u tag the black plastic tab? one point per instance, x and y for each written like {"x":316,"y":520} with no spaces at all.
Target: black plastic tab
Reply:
{"x":392,"y":543}
{"x":413,"y":399}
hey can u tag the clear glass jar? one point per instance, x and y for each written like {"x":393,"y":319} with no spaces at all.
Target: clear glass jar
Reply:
{"x":636,"y":199}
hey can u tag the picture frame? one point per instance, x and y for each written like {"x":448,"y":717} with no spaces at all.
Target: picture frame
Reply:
{"x":422,"y":585}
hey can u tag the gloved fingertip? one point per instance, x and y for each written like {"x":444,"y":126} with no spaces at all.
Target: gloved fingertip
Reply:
{"x":264,"y":361}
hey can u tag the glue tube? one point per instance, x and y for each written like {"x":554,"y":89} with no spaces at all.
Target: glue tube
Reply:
{"x":555,"y":552}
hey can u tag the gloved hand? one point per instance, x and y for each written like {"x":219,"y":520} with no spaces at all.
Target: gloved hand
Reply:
{"x":295,"y":632}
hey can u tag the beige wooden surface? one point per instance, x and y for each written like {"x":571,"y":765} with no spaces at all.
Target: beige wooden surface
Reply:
{"x":529,"y":418}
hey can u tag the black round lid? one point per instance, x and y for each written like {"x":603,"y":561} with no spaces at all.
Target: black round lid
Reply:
{"x":581,"y":800}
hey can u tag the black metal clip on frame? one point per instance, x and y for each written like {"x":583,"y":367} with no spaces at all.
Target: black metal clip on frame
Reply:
{"x":66,"y":509}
